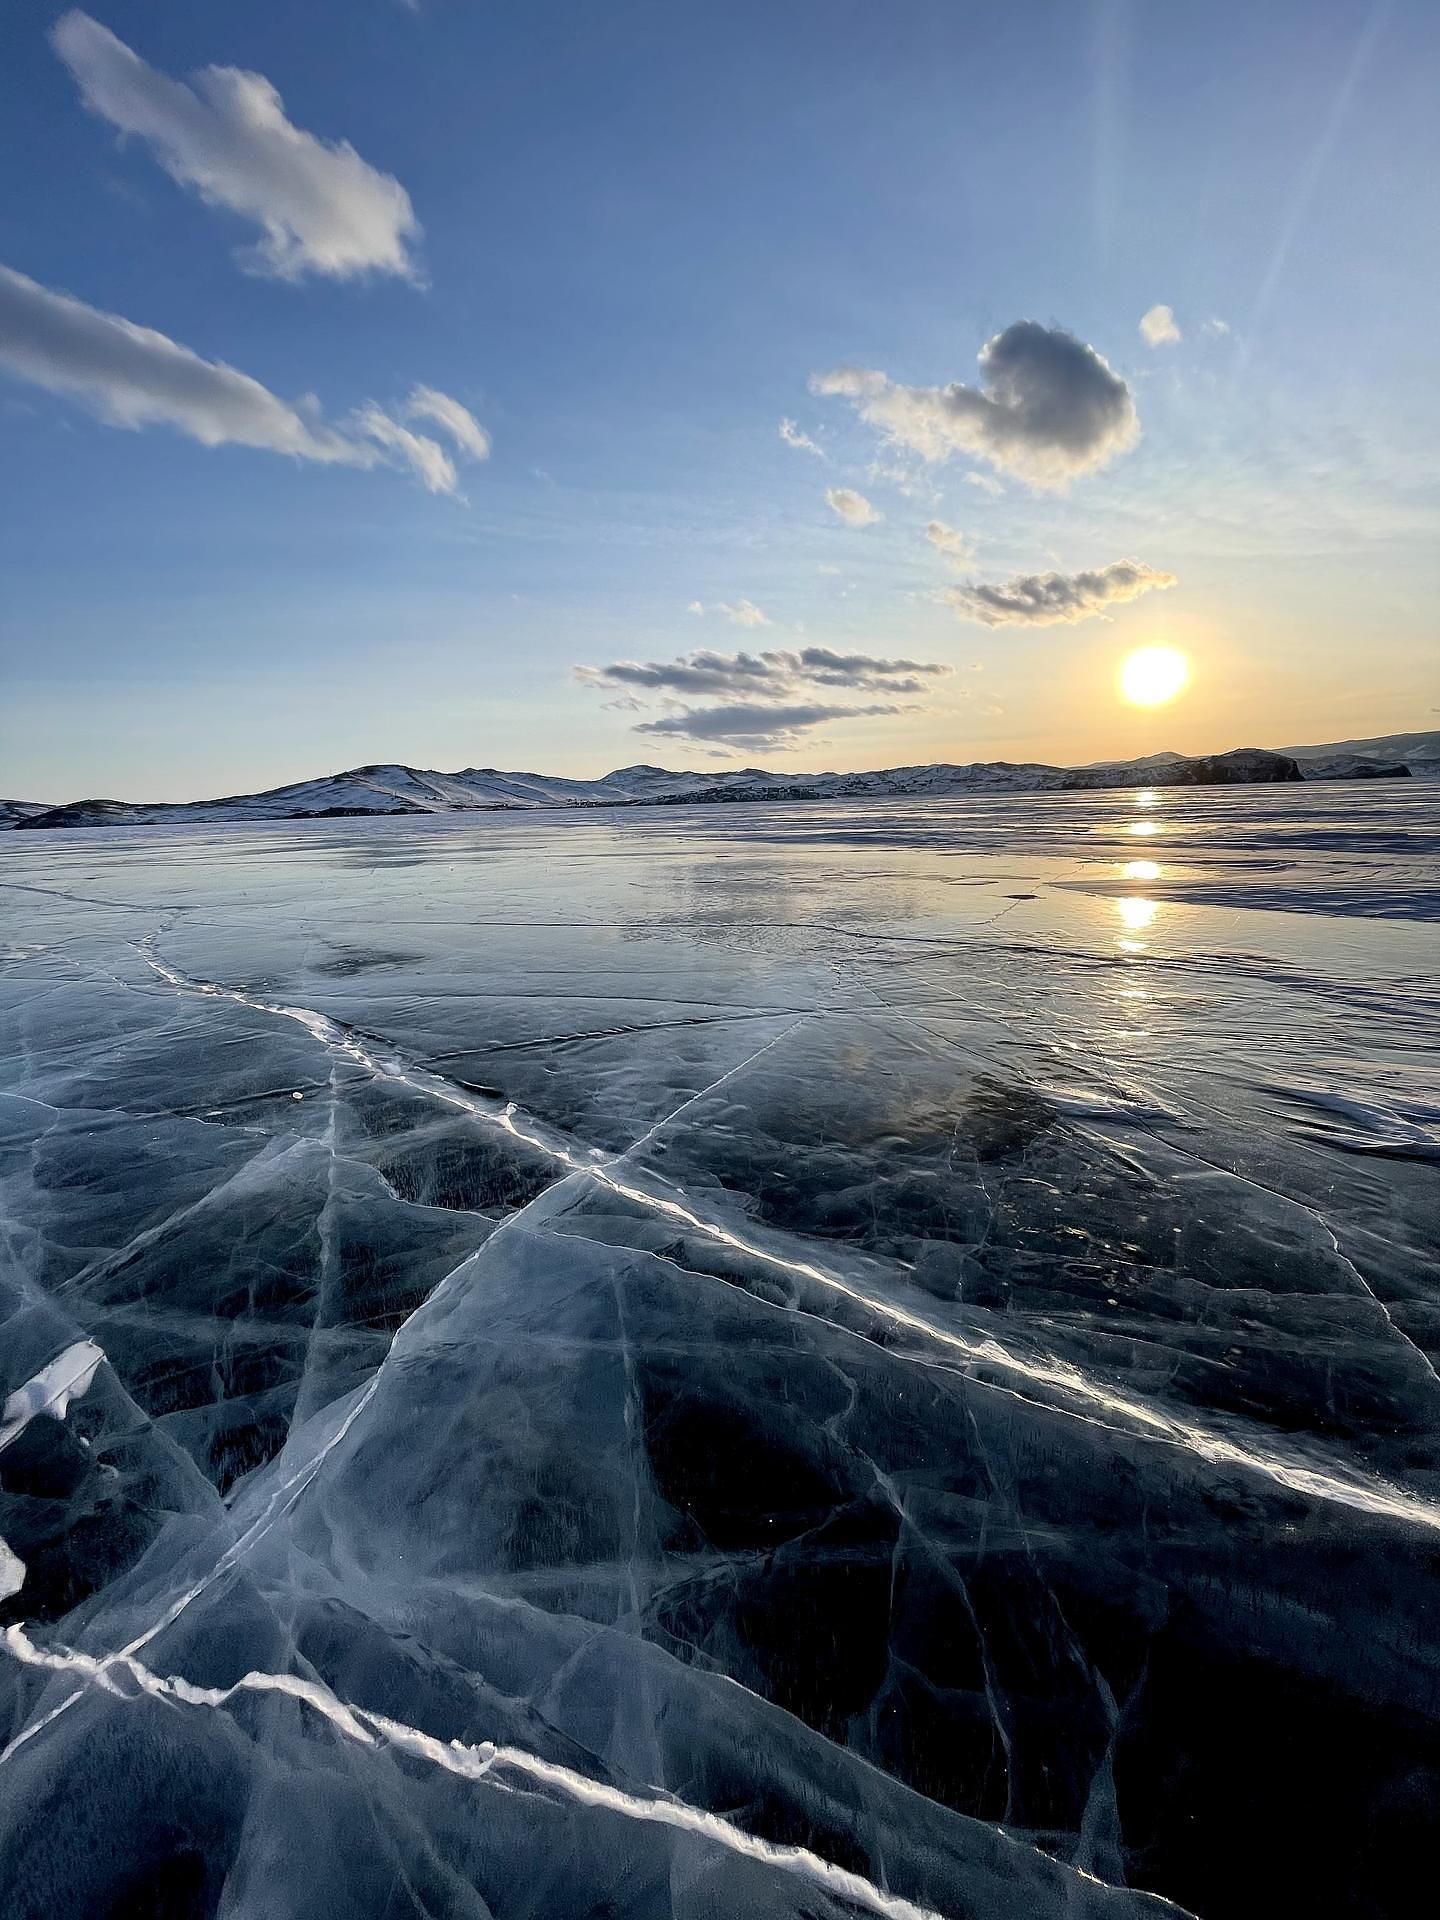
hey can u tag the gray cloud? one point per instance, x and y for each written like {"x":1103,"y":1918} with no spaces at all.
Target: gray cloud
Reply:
{"x":319,"y":207}
{"x":131,"y":376}
{"x":691,"y":673}
{"x":853,"y":508}
{"x":773,"y":729}
{"x":774,"y":674}
{"x":863,"y":671}
{"x":768,"y":701}
{"x":1048,"y":407}
{"x":1050,"y":599}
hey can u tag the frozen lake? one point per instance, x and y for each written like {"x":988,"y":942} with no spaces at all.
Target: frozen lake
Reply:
{"x":806,"y":1360}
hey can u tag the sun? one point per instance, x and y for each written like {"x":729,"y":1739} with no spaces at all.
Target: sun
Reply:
{"x":1153,"y":675}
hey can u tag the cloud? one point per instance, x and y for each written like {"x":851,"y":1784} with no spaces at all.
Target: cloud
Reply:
{"x":319,"y":207}
{"x":424,"y":456}
{"x":691,"y":673}
{"x":793,"y":437}
{"x":986,"y":482}
{"x":1052,"y":599}
{"x":743,"y":614}
{"x":862,"y":672}
{"x":949,"y":540}
{"x":767,"y":701}
{"x":853,"y":508}
{"x":135,"y":377}
{"x":1158,"y":328}
{"x":1216,"y":327}
{"x":774,"y":674}
{"x":1048,"y":407}
{"x":756,"y":728}
{"x":427,"y":403}
{"x":131,"y":376}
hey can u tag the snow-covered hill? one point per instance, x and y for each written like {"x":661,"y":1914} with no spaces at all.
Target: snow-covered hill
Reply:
{"x":1361,"y":759}
{"x":398,"y":789}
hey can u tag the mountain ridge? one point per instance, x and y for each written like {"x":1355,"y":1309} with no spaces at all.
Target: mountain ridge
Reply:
{"x":382,"y":787}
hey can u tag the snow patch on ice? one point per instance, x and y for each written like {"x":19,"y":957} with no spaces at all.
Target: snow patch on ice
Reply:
{"x":67,"y":1378}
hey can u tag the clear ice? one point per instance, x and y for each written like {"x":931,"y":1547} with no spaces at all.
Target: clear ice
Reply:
{"x":784,"y":1361}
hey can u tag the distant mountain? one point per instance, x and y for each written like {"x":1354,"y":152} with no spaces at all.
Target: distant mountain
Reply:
{"x":397,"y":789}
{"x":1417,"y":753}
{"x":408,"y":790}
{"x":12,"y":812}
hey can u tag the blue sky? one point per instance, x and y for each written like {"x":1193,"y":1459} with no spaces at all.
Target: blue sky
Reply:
{"x":625,"y":240}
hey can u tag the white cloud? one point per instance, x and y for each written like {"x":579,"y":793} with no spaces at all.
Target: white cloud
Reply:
{"x":427,"y":403}
{"x":792,"y":436}
{"x":1052,"y":599}
{"x":853,"y":508}
{"x":1158,"y":328}
{"x":1048,"y":407}
{"x":1216,"y":327}
{"x":319,"y":207}
{"x":131,"y":376}
{"x":949,"y":540}
{"x":424,"y":456}
{"x":744,"y":613}
{"x":135,"y":377}
{"x":986,"y":482}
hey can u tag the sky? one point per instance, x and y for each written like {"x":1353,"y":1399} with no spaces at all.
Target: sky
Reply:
{"x":805,"y":384}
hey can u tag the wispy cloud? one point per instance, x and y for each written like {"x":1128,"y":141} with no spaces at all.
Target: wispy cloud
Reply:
{"x":791,"y":434}
{"x":1052,"y":599}
{"x":744,"y":613}
{"x":425,"y":457}
{"x":1048,"y":407}
{"x":986,"y":482}
{"x":132,"y":376}
{"x":1158,"y":328}
{"x":427,"y":403}
{"x":320,"y":208}
{"x":950,"y":540}
{"x":853,"y":508}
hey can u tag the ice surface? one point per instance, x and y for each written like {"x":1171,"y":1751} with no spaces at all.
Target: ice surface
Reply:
{"x":816,"y":1360}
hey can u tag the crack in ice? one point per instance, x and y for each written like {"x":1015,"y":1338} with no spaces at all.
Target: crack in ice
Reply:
{"x":1374,"y":1496}
{"x":473,"y":1763}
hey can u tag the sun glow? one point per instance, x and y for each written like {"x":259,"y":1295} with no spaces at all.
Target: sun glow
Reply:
{"x":1136,"y":913}
{"x":1152,"y":675}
